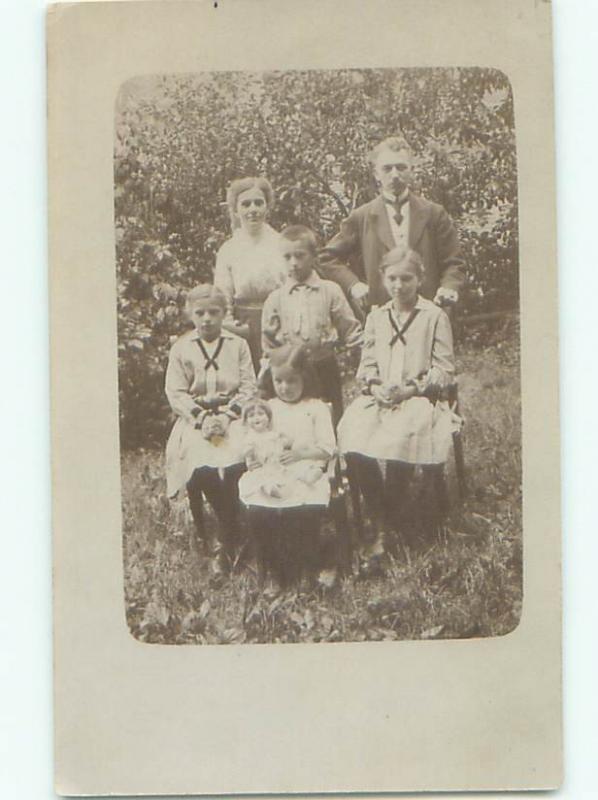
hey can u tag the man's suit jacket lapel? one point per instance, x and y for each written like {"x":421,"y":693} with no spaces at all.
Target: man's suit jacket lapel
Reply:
{"x":381,"y":223}
{"x":418,"y":217}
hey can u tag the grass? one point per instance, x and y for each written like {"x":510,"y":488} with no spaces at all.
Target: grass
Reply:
{"x":466,"y":584}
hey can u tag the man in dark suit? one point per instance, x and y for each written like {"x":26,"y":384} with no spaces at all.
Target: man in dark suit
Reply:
{"x":396,"y":217}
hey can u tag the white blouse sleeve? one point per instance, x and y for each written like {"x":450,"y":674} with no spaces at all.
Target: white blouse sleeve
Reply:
{"x":442,"y":372}
{"x":442,"y":369}
{"x":323,"y":429}
{"x":247,"y":384}
{"x":368,"y":365}
{"x":178,"y":385}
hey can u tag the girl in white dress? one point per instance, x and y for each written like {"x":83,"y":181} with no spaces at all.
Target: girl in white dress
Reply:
{"x":287,"y":529}
{"x":400,"y":418}
{"x":269,"y":481}
{"x":209,"y":377}
{"x":249,"y":265}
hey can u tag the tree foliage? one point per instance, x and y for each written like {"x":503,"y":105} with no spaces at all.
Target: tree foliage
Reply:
{"x":180,"y":140}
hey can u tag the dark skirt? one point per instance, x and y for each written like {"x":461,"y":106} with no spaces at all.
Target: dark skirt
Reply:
{"x":251,"y":315}
{"x":287,"y":542}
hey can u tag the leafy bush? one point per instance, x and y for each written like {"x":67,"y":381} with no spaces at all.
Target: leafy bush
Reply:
{"x":180,"y":140}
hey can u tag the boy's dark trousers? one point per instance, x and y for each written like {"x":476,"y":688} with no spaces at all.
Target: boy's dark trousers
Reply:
{"x":222,"y":494}
{"x":331,"y":386}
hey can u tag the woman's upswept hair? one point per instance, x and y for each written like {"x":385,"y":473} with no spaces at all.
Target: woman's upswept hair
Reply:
{"x":394,"y":143}
{"x":293,"y":357}
{"x":205,"y":291}
{"x":240,"y":185}
{"x":402,"y":255}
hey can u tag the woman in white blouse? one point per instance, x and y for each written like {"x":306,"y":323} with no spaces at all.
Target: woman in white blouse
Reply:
{"x":249,"y":265}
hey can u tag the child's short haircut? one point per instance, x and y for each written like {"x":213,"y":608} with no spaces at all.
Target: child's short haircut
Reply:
{"x":256,"y":402}
{"x":301,"y":233}
{"x":205,"y":291}
{"x":403,"y":255}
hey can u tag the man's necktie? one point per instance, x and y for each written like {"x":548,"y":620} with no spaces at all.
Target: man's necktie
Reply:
{"x":397,"y":205}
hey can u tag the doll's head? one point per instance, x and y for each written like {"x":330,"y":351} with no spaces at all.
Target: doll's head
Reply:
{"x":214,"y":427}
{"x":257,"y":415}
{"x":289,"y":376}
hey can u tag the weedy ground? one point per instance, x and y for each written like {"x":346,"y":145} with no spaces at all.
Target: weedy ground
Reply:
{"x":467,"y":583}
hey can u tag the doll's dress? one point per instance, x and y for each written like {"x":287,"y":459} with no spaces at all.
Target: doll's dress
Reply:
{"x":276,"y":485}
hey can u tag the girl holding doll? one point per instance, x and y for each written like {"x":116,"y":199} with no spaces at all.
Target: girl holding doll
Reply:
{"x":286,"y":488}
{"x":271,"y":476}
{"x":400,"y":418}
{"x":209,"y":376}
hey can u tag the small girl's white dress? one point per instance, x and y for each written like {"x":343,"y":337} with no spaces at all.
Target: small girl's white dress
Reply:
{"x":415,"y":349}
{"x":301,"y":483}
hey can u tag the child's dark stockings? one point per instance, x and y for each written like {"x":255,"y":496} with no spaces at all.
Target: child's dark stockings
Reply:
{"x":222,"y":492}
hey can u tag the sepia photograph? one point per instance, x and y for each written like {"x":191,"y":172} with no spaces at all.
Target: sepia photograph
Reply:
{"x":305,"y":419}
{"x":318,"y":355}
